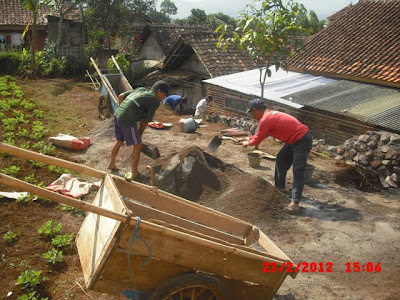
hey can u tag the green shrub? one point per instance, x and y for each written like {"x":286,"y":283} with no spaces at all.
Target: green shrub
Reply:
{"x":23,"y":199}
{"x":10,"y":62}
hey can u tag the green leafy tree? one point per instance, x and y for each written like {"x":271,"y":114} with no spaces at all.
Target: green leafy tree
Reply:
{"x":168,"y":7}
{"x":214,"y":20}
{"x":34,"y":6}
{"x":198,"y":17}
{"x":270,"y":34}
{"x":108,"y":16}
{"x":159,"y":17}
{"x":315,"y":24}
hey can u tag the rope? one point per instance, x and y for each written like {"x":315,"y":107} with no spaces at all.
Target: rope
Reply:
{"x":135,"y":237}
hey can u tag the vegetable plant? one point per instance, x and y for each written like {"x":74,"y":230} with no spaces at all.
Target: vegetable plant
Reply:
{"x":23,"y":199}
{"x":22,"y":132}
{"x":30,"y":279}
{"x":53,"y":257}
{"x":10,"y":237}
{"x":31,"y":296}
{"x":50,"y":228}
{"x":30,"y":178}
{"x":64,"y":241}
{"x":11,"y":171}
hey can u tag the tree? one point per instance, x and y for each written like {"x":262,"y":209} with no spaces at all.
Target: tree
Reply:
{"x":270,"y":34}
{"x":168,"y":7}
{"x":34,"y":6}
{"x":315,"y":24}
{"x":143,"y":6}
{"x":217,"y":19}
{"x":111,"y":16}
{"x":159,"y":17}
{"x":198,"y":17}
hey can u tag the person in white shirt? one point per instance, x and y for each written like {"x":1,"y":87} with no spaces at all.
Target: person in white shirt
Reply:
{"x":201,"y":107}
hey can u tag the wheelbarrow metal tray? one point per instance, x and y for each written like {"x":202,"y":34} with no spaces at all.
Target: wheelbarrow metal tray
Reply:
{"x":183,"y":237}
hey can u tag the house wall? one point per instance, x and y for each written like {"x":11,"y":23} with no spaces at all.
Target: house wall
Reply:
{"x":151,"y":50}
{"x":333,"y":128}
{"x":8,"y":31}
{"x":73,"y":38}
{"x":194,"y":64}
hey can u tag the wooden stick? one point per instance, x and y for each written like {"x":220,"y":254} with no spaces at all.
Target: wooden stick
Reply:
{"x":91,"y":79}
{"x":51,"y":160}
{"x":320,"y":154}
{"x":105,"y":82}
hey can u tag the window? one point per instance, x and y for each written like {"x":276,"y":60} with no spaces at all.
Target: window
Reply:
{"x":235,"y":104}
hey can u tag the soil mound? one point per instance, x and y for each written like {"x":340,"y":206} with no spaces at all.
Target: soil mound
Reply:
{"x":198,"y":176}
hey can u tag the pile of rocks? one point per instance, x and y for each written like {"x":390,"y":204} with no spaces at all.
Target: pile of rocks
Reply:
{"x":244,"y":124}
{"x":377,"y":151}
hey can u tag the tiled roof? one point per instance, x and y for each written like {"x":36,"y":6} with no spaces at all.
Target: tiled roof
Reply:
{"x":363,"y":44}
{"x":339,"y":13}
{"x":216,"y":61}
{"x":13,"y":13}
{"x":167,"y":35}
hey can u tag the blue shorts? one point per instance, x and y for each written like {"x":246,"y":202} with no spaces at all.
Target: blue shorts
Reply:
{"x":130,"y":135}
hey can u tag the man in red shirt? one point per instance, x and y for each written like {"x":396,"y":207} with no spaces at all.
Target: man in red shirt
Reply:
{"x":298,"y":143}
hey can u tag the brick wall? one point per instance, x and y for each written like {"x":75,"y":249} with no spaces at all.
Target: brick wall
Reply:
{"x":333,"y":128}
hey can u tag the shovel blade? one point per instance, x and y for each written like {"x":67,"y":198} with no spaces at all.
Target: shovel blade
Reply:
{"x":214,"y":144}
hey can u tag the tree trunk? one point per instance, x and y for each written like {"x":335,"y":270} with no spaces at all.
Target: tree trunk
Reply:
{"x":34,"y":37}
{"x":59,"y":32}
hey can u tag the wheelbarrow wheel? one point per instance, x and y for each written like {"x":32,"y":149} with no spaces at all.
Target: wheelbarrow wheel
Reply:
{"x":104,"y":107}
{"x":190,"y":286}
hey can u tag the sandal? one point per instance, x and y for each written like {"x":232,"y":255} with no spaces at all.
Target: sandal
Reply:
{"x":292,"y":208}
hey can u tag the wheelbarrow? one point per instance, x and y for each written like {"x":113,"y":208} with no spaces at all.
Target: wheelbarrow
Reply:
{"x":113,"y":83}
{"x":143,"y":243}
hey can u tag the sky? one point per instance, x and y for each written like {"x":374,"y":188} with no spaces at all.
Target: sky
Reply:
{"x":323,"y":8}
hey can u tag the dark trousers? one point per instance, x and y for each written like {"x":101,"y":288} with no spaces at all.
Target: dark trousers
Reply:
{"x":296,"y":155}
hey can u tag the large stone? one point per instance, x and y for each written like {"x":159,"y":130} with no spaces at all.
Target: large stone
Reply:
{"x":385,"y":136}
{"x":364,"y":138}
{"x":387,"y":163}
{"x":384,"y":148}
{"x":360,"y":146}
{"x":392,"y":154}
{"x":363,"y":160}
{"x":395,"y":177}
{"x":396,"y":170}
{"x":390,"y":182}
{"x":395,"y":139}
{"x":352,"y":153}
{"x":383,"y":171}
{"x":340,"y":150}
{"x":369,"y":154}
{"x":383,"y":181}
{"x":150,"y":150}
{"x":376,"y":164}
{"x":372,"y":144}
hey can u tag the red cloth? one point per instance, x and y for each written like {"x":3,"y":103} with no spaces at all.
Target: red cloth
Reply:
{"x":279,"y":125}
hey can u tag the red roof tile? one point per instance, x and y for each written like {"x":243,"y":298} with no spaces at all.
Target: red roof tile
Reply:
{"x":363,"y":44}
{"x":13,"y":13}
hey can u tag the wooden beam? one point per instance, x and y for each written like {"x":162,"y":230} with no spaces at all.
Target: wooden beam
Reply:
{"x":51,"y":160}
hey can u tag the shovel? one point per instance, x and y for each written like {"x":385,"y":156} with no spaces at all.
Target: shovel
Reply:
{"x":215,"y":143}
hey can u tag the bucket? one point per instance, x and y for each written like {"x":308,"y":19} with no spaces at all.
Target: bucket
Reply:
{"x":308,"y":172}
{"x":188,"y":125}
{"x":254,"y":159}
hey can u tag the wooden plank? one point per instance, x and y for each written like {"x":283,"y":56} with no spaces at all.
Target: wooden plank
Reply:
{"x":183,"y":208}
{"x":196,"y":233}
{"x":240,"y":290}
{"x":98,"y":234}
{"x":204,"y":255}
{"x":146,"y":213}
{"x":270,"y":247}
{"x":105,"y":82}
{"x":27,"y":154}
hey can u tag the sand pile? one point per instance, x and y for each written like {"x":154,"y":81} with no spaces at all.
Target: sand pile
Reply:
{"x":200,"y":177}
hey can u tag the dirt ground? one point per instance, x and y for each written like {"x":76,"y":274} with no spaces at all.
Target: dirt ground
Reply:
{"x":338,"y":222}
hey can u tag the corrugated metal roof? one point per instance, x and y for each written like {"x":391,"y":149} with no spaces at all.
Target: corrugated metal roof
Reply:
{"x":277,"y":86}
{"x":377,"y":105}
